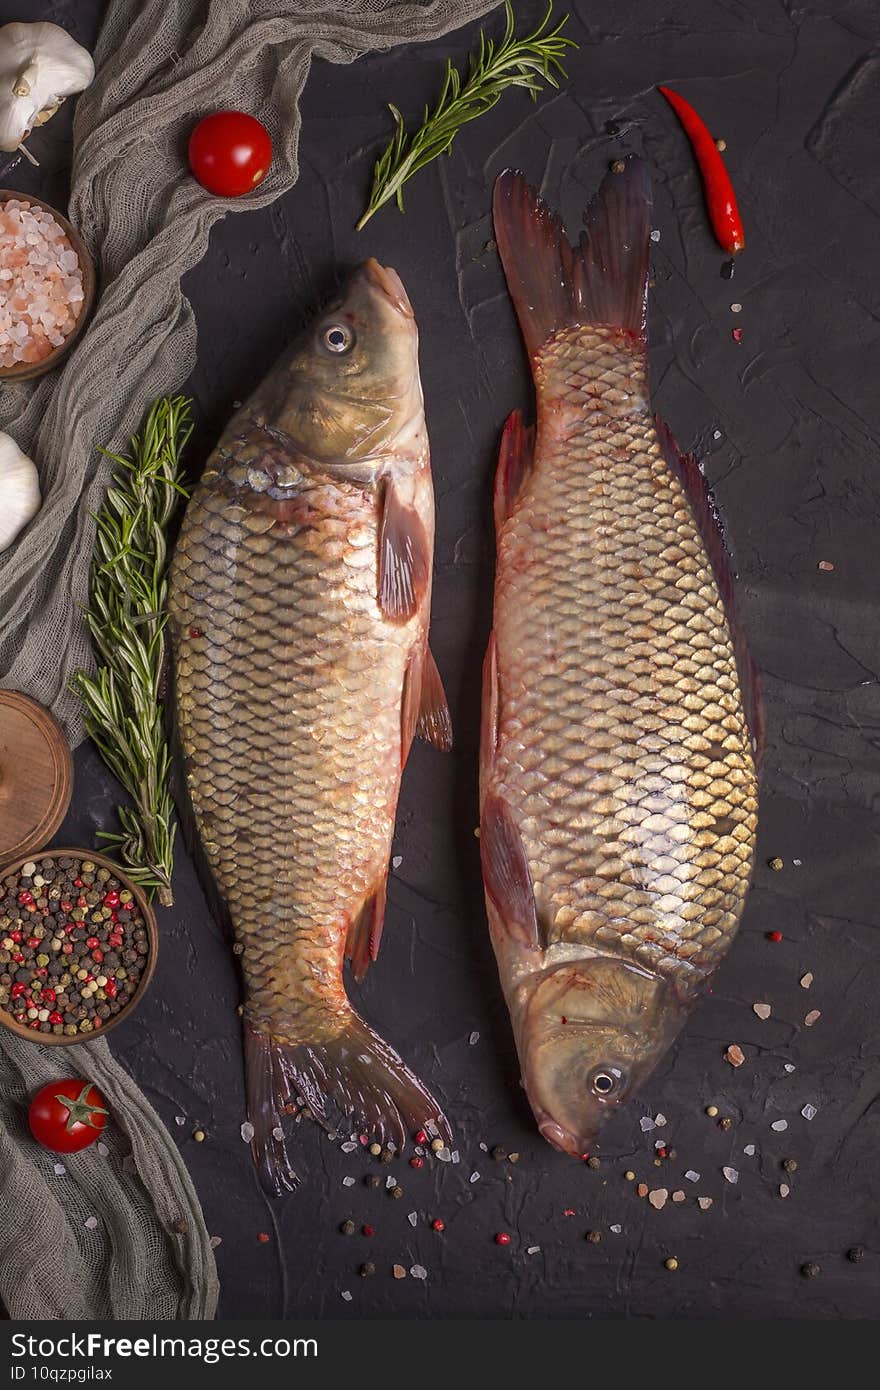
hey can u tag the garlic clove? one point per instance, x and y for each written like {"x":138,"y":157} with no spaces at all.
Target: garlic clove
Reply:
{"x":19,"y":489}
{"x":40,"y":65}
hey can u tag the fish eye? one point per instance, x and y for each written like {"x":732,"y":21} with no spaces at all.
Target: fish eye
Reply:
{"x":338,"y":338}
{"x":606,"y":1082}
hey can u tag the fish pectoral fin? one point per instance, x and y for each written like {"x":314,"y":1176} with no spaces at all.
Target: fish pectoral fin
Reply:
{"x":506,"y":874}
{"x":434,"y":723}
{"x":404,"y":558}
{"x":365,"y":931}
{"x":516,"y":457}
{"x":687,"y":469}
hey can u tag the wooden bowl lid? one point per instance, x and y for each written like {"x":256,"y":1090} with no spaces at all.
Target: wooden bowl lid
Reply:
{"x":36,"y":775}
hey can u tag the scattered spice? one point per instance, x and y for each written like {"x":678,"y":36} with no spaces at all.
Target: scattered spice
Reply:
{"x":594,"y":1237}
{"x":367,"y":1269}
{"x":199,"y":1136}
{"x":630,"y":1175}
{"x":618,"y":166}
{"x":263,"y":1237}
{"x":396,"y":1192}
{"x":812,"y":1017}
{"x":735,"y":1055}
{"x":855,"y":1254}
{"x":711,"y":1111}
{"x":671,"y":1263}
{"x":498,"y":1153}
{"x":704,"y":1203}
{"x":513,"y":1158}
{"x":806,"y":980}
{"x":375,"y":1150}
{"x":810,"y":1270}
{"x":678,"y":1196}
{"x":593,"y":1161}
{"x":642,"y":1189}
{"x":367,"y":1231}
{"x":502,"y":1238}
{"x":790,"y":1165}
{"x":73,"y":946}
{"x":717,"y":187}
{"x":774,"y":936}
{"x":347,"y":1228}
{"x":826,"y":566}
{"x":398,"y":1271}
{"x":736,"y":334}
{"x":416,"y":1162}
{"x":437,"y":1224}
{"x":776,"y":864}
{"x":725,"y":1123}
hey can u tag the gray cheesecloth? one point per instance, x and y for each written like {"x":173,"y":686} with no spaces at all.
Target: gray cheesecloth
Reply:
{"x":119,"y":1232}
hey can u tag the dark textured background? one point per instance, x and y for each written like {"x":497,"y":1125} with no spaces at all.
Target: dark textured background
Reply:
{"x":788,"y":424}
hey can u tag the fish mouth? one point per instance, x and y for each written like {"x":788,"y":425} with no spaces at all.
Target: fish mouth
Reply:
{"x":390,"y":284}
{"x":578,"y":1146}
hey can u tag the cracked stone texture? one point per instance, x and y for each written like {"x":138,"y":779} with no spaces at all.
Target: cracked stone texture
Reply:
{"x":787,"y":422}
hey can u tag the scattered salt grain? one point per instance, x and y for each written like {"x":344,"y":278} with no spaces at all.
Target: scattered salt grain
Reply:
{"x":215,"y":1241}
{"x":278,"y":1133}
{"x":180,"y":1119}
{"x":60,"y":1170}
{"x":484,"y":1147}
{"x":809,"y":1112}
{"x":474,"y":1039}
{"x":678,"y":1196}
{"x":780,"y":1126}
{"x":735,"y":1055}
{"x":90,"y":1223}
{"x":659,"y":1143}
{"x":349,"y":1146}
{"x":749,"y":1150}
{"x":474,"y":1177}
{"x":390,"y":1182}
{"x":647,"y":1124}
{"x":348,"y":1182}
{"x":444,"y":1154}
{"x":658,"y":1197}
{"x":784,"y":1189}
{"x":397,"y":861}
{"x":655,"y":235}
{"x":346,"y":1295}
{"x":616,"y":1229}
{"x":789,"y":1067}
{"x":704,"y":1203}
{"x":536,"y":1249}
{"x":659,"y":1121}
{"x":812,"y":1017}
{"x":806,"y":980}
{"x":731,"y":1174}
{"x":102,"y":1149}
{"x":716,"y":434}
{"x":762,"y":1010}
{"x":455,"y":1156}
{"x":419,"y":1272}
{"x":413,"y":1218}
{"x":692,"y":1176}
{"x":247,"y":1131}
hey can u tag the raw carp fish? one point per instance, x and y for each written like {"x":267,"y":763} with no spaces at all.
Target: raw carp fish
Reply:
{"x":620,"y":714}
{"x":300,"y":593}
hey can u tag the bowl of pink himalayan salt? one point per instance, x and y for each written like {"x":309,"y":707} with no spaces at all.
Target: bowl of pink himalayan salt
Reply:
{"x":47,"y":286}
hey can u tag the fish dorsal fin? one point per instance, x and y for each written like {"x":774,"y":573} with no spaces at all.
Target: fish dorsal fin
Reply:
{"x":601,"y":280}
{"x":404,"y":557}
{"x":687,"y":469}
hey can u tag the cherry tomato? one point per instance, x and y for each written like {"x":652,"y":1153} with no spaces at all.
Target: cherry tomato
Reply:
{"x":66,"y":1116}
{"x":230,"y":153}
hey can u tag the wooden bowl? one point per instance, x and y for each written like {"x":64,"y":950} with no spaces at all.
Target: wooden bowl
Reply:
{"x":52,"y":1039}
{"x":26,"y":371}
{"x":36,"y":776}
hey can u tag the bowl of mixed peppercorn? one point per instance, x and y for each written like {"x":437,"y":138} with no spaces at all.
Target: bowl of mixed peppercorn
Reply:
{"x":78,"y":944}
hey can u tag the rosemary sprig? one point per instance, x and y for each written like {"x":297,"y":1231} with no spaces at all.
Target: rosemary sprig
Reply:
{"x":526,"y":62}
{"x":127,"y":617}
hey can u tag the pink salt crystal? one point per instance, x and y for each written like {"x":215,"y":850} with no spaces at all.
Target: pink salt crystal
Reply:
{"x":41,"y":285}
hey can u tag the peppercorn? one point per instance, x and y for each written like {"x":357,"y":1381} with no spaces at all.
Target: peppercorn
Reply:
{"x":513,"y":1158}
{"x":855,"y":1254}
{"x":367,"y":1269}
{"x":593,"y":1161}
{"x":372,"y":1180}
{"x":347,"y":1228}
{"x":386,"y":1156}
{"x":790,"y":1165}
{"x":594,"y":1237}
{"x":630,"y":1175}
{"x":397,"y":1192}
{"x":810,"y":1270}
{"x":725,"y":1123}
{"x":498,"y":1152}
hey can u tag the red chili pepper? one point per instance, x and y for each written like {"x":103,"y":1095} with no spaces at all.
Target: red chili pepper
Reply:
{"x":720,"y":197}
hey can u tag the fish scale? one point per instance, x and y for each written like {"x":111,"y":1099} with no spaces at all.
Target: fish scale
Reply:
{"x":622,"y":739}
{"x":248,"y":698}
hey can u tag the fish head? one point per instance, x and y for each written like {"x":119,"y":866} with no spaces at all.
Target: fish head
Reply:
{"x":350,"y":394}
{"x":591,"y":1032}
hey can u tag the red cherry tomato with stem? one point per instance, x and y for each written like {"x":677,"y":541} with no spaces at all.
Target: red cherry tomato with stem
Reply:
{"x":66,"y":1116}
{"x":230,"y":153}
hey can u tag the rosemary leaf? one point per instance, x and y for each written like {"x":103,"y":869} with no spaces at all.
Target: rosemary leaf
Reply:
{"x":126,"y":619}
{"x":530,"y":62}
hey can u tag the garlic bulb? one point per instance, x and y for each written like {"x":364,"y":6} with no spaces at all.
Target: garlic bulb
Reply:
{"x":19,"y":490}
{"x":40,"y":65}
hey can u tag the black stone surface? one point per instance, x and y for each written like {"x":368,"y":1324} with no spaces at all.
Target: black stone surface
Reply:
{"x":788,"y":424}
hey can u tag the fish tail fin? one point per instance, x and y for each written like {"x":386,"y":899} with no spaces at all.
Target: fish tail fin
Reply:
{"x":356,"y":1076}
{"x":601,"y":280}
